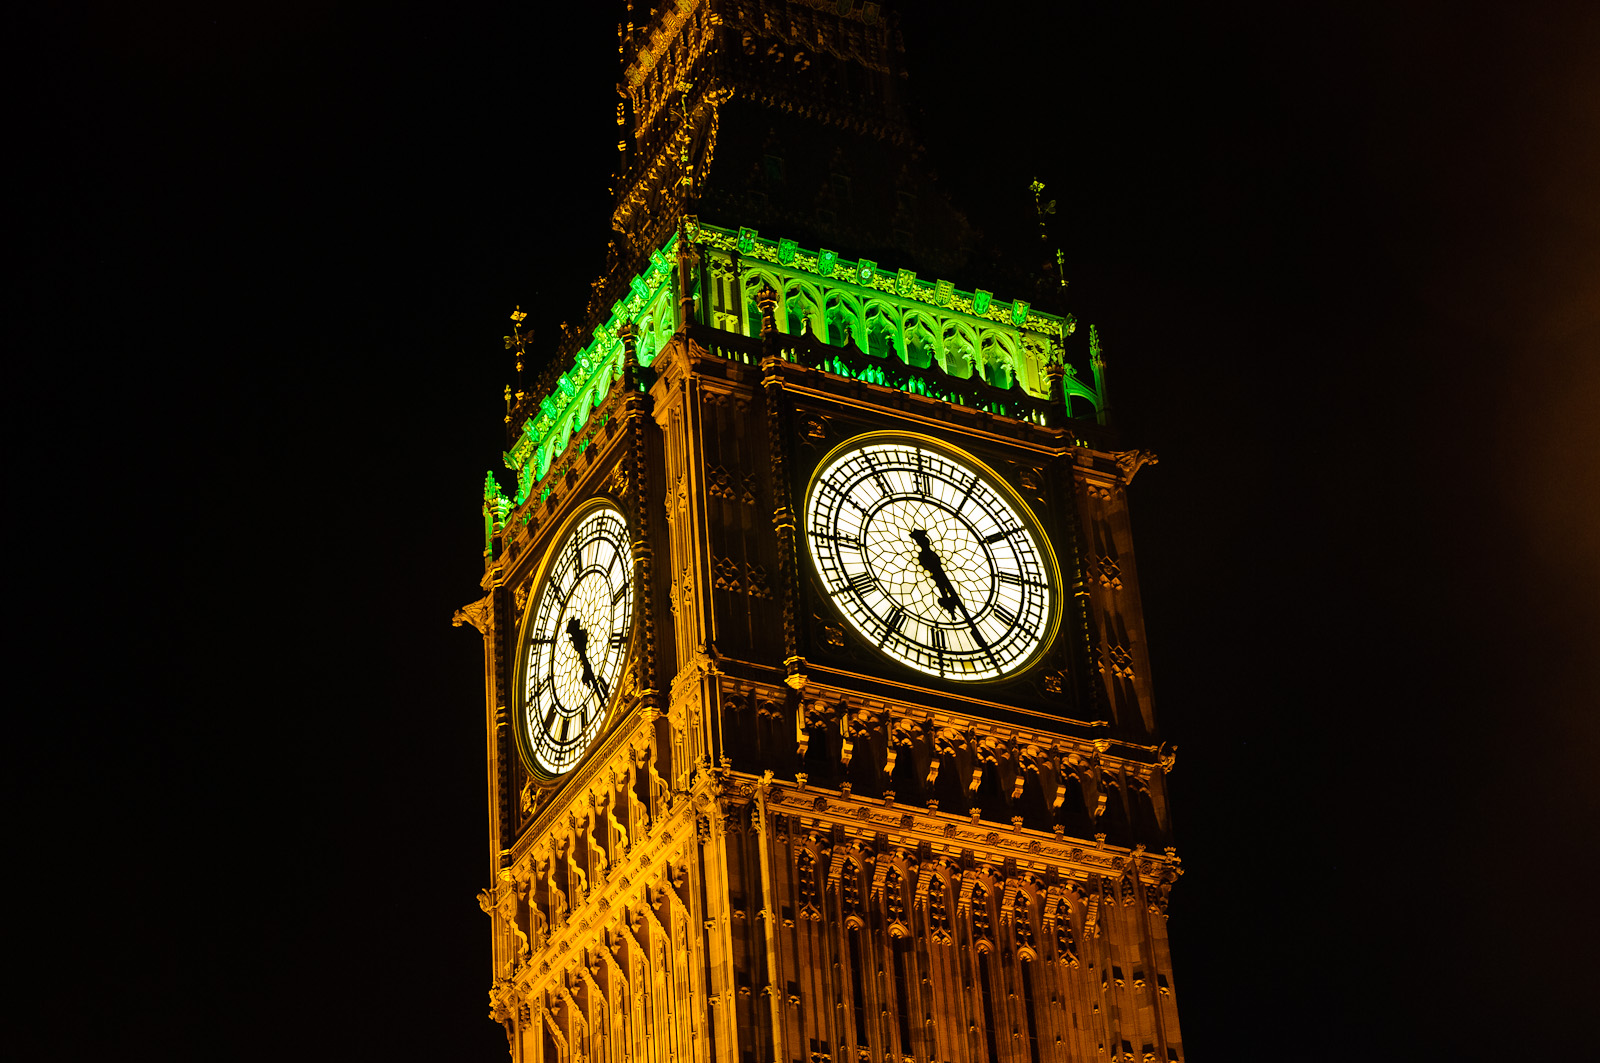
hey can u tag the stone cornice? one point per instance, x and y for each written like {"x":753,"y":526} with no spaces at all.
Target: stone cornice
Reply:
{"x":1087,"y":739}
{"x":908,"y":828}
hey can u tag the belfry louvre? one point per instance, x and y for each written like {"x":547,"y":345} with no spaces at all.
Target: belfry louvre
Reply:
{"x":819,"y":716}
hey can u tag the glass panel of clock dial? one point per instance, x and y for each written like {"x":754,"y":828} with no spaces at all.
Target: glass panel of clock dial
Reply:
{"x":590,"y":580}
{"x":859,"y":519}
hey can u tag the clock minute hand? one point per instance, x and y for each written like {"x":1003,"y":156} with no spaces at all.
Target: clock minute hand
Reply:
{"x":935,"y":568}
{"x":580,"y":642}
{"x":950,"y":600}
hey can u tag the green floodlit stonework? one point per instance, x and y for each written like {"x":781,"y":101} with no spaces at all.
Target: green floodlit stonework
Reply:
{"x":892,"y":329}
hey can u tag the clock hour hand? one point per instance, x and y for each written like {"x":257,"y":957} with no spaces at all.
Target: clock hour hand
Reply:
{"x":580,"y":642}
{"x":929,"y":560}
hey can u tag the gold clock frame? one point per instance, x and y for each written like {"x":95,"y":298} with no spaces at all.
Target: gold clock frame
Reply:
{"x":1010,"y":494}
{"x":540,"y":775}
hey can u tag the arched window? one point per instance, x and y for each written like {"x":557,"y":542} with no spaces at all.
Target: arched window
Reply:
{"x":1022,"y":920}
{"x":806,"y":884}
{"x":850,"y":888}
{"x":840,"y":326}
{"x":799,"y":310}
{"x":754,"y":282}
{"x":998,"y":357}
{"x":883,"y":335}
{"x":1066,"y":942}
{"x":920,"y":343}
{"x":894,"y":901}
{"x":957,"y":352}
{"x":981,"y":927}
{"x":938,"y":912}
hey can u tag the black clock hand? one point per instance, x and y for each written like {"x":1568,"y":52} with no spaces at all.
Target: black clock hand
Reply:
{"x":929,"y":560}
{"x":949,"y":599}
{"x":580,"y":642}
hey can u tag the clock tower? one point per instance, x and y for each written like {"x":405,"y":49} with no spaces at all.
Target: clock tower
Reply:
{"x":820,"y":727}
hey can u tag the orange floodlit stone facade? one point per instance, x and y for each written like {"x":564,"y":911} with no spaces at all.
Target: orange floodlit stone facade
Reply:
{"x":820,"y":727}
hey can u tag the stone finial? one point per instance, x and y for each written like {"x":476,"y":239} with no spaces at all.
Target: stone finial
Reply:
{"x":767,"y":302}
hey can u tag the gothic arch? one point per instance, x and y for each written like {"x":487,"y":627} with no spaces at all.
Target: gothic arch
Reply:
{"x":920,"y":338}
{"x":851,"y":870}
{"x":981,"y":914}
{"x":1023,"y":912}
{"x":807,"y":892}
{"x":935,"y":896}
{"x":755,"y":279}
{"x":843,"y":318}
{"x":957,"y":349}
{"x":896,"y":910}
{"x":802,"y":308}
{"x":997,"y":356}
{"x":884,"y":338}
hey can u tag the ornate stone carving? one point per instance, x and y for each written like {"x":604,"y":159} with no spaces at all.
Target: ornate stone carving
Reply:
{"x":1121,"y":662}
{"x":475,"y":613}
{"x":719,"y":483}
{"x":620,"y":484}
{"x":1131,"y":461}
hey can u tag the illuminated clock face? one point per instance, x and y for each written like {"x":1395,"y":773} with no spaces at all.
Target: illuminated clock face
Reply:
{"x":930,"y":560}
{"x":574,"y":644}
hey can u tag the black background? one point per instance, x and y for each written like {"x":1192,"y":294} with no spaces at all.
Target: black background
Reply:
{"x":1345,"y":261}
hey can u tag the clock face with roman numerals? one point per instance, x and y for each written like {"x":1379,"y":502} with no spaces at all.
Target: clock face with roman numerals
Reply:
{"x":575,"y":639}
{"x":931,"y":560}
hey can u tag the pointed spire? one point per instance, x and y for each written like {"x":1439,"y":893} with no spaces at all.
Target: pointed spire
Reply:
{"x":1040,"y":209}
{"x":1097,"y":362}
{"x":518,"y":340}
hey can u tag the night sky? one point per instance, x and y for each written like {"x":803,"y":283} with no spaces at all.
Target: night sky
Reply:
{"x":1345,"y":261}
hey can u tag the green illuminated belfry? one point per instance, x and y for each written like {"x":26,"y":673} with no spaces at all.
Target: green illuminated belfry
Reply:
{"x":882,"y":327}
{"x":788,"y":120}
{"x":818,"y":706}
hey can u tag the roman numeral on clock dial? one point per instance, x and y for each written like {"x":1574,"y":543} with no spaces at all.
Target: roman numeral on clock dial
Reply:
{"x":896,"y":621}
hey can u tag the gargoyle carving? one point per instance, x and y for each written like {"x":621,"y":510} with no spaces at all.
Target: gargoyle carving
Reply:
{"x":1131,"y":461}
{"x":475,"y":613}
